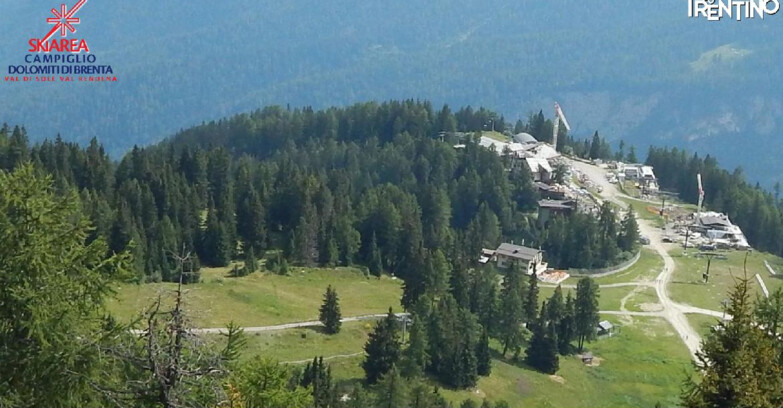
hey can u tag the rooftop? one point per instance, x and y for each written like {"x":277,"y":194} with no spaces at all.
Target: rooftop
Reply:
{"x":537,"y":164}
{"x":714,"y":220}
{"x":524,"y":138}
{"x":518,"y":252}
{"x":556,"y":204}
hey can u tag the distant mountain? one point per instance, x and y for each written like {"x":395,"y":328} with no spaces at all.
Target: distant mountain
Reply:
{"x":638,"y":71}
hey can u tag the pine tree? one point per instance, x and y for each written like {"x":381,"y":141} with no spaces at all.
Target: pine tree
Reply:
{"x":376,"y":265}
{"x":52,"y":289}
{"x":415,"y":357}
{"x":460,"y":286}
{"x":437,"y":274}
{"x":740,"y":362}
{"x":483,"y":355}
{"x":382,"y":348}
{"x":251,"y":262}
{"x":595,"y":147}
{"x":632,"y":156}
{"x":566,"y":328}
{"x":531,"y":300}
{"x":629,"y":232}
{"x":266,"y":383}
{"x":512,"y":311}
{"x":318,"y":376}
{"x":468,"y":403}
{"x":607,"y":226}
{"x":484,"y":299}
{"x":422,"y":396}
{"x":216,"y":248}
{"x":541,"y":353}
{"x":330,"y":312}
{"x":359,"y":398}
{"x":465,"y":366}
{"x":586,"y":311}
{"x":391,"y":390}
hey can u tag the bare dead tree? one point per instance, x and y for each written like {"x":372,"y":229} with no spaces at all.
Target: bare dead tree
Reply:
{"x":166,"y":363}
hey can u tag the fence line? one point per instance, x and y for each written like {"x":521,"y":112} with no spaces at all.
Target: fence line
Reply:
{"x":600,"y":273}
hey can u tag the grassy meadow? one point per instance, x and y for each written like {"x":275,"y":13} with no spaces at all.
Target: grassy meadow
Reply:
{"x":262,"y":298}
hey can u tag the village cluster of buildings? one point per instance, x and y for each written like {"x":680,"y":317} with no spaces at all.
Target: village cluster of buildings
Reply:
{"x":539,"y":157}
{"x":707,"y":230}
{"x":641,"y":174}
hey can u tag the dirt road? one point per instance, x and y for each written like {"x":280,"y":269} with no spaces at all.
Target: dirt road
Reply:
{"x":312,"y":323}
{"x":672,"y":312}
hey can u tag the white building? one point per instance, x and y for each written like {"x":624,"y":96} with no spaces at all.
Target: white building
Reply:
{"x":531,"y":259}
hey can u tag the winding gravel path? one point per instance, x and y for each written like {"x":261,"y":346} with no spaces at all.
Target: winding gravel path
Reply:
{"x":673,"y":312}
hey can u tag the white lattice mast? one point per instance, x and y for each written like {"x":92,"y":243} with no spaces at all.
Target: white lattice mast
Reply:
{"x":559,"y":116}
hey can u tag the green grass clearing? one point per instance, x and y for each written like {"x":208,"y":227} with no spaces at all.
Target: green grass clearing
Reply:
{"x":608,"y":299}
{"x":702,"y":323}
{"x":263,"y":299}
{"x":496,"y":136}
{"x":641,"y":208}
{"x":643,"y":363}
{"x":687,"y":285}
{"x":645,"y":299}
{"x":295,"y":345}
{"x":646,"y":268}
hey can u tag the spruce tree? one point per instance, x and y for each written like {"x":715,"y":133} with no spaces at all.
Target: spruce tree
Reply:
{"x":586,"y":311}
{"x":251,"y":262}
{"x":483,"y":355}
{"x":567,"y":327}
{"x":382,"y":348}
{"x":217,"y":245}
{"x":359,"y":398}
{"x":595,"y":147}
{"x":464,"y":370}
{"x":460,"y":286}
{"x":541,"y":353}
{"x":468,"y":403}
{"x":375,"y":261}
{"x":555,"y":307}
{"x":330,"y":311}
{"x":391,"y":391}
{"x":512,"y":311}
{"x":52,"y":290}
{"x":318,"y":376}
{"x":531,"y":300}
{"x":628,"y":237}
{"x":415,"y":357}
{"x":423,"y":396}
{"x":739,"y":361}
{"x":632,"y":155}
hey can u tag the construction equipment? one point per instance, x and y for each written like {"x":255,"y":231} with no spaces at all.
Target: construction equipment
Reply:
{"x":696,"y":218}
{"x":559,"y":116}
{"x":701,"y":194}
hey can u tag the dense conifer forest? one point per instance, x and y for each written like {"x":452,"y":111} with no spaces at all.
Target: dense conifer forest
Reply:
{"x":378,"y":185}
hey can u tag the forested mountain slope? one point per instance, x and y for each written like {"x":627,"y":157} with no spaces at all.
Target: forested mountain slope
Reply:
{"x":638,"y":71}
{"x":371,"y":185}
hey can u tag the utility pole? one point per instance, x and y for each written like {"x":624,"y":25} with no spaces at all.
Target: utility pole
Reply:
{"x":709,"y":255}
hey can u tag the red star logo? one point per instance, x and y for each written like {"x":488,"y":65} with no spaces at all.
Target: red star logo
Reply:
{"x":64,"y":20}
